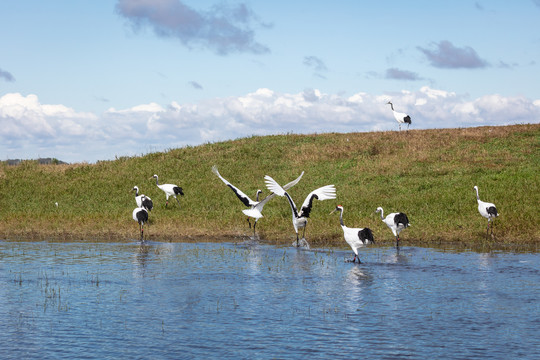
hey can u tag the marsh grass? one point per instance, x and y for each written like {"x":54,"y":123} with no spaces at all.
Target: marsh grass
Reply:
{"x":428,"y":174}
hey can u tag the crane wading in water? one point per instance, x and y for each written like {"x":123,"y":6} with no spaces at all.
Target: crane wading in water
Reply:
{"x":255,"y":207}
{"x":140,"y":215}
{"x":395,"y":221}
{"x":355,"y":237}
{"x":299,"y":218}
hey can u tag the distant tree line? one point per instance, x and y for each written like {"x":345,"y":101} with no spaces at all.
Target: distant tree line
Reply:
{"x":41,"y":161}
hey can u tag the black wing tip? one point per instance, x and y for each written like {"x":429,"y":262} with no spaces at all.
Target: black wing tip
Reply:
{"x":366,"y":236}
{"x":401,"y":218}
{"x":142,"y":216}
{"x":492,"y":210}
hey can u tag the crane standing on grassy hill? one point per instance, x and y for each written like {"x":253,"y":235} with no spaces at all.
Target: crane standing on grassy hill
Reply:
{"x":169,"y":190}
{"x":487,"y":210}
{"x":143,"y":200}
{"x":401,"y":118}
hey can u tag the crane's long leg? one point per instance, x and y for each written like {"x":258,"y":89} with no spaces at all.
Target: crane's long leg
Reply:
{"x":397,"y":241}
{"x":175,"y":198}
{"x":255,"y":224}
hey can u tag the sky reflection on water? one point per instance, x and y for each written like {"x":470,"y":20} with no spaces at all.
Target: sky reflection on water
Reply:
{"x":185,"y":300}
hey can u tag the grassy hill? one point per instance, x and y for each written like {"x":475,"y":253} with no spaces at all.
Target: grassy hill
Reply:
{"x":428,"y":174}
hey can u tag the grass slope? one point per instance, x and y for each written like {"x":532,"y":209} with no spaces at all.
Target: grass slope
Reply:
{"x":428,"y":174}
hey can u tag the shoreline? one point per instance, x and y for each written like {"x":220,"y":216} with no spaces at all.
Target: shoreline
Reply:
{"x":316,"y":242}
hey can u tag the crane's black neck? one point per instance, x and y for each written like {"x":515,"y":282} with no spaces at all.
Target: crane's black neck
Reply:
{"x":293,"y":206}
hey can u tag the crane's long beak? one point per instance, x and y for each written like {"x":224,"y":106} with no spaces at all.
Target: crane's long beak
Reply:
{"x":333,"y":211}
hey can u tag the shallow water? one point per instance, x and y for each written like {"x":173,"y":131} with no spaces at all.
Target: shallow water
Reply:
{"x":207,"y":300}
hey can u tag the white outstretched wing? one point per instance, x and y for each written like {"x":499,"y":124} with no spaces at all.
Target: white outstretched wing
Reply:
{"x":323,"y":193}
{"x":274,"y":187}
{"x":243,"y":197}
{"x":285,"y":187}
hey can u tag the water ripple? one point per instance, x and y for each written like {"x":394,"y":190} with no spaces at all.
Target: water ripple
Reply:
{"x":185,"y":300}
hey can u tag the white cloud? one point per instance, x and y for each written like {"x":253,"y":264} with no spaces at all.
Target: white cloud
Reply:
{"x":151,"y":127}
{"x":25,"y":117}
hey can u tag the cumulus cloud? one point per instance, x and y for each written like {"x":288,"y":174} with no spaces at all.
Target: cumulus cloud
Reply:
{"x":24,"y":117}
{"x":445,"y":55}
{"x":397,"y":74}
{"x":6,"y":76}
{"x":224,"y":29}
{"x":143,"y":128}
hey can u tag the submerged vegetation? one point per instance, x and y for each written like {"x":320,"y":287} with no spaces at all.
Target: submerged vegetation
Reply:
{"x":428,"y":174}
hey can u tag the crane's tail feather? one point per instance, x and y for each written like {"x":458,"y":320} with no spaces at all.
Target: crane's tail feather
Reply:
{"x":273,"y":186}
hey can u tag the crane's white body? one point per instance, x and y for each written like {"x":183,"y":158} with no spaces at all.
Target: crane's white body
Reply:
{"x":355,"y":237}
{"x":400,"y":117}
{"x":486,"y":209}
{"x":391,"y":220}
{"x":299,"y":218}
{"x":139,"y":200}
{"x":169,"y":190}
{"x":255,"y":207}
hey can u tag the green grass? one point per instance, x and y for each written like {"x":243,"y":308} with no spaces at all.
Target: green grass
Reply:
{"x":428,"y":174}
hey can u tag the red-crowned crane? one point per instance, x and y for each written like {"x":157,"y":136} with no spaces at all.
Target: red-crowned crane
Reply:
{"x":169,"y":190}
{"x":401,"y":118}
{"x":299,"y":218}
{"x":143,"y":200}
{"x":355,"y":237}
{"x":487,"y":210}
{"x":255,"y":207}
{"x":395,"y":221}
{"x":140,"y":215}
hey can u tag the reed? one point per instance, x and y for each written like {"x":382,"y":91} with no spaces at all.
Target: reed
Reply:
{"x":428,"y":174}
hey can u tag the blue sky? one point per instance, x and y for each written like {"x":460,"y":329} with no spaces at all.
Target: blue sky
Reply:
{"x":93,"y":80}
